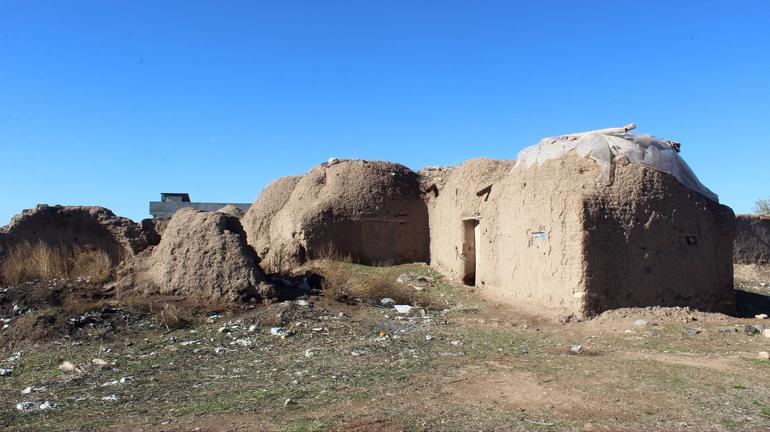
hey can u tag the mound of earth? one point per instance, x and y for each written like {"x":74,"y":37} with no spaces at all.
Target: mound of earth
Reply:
{"x":256,"y":221}
{"x":76,"y":227}
{"x":202,"y":255}
{"x":372,"y":212}
{"x":231,"y":210}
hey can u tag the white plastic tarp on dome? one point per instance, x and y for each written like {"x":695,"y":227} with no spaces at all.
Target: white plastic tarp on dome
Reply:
{"x":607,"y":145}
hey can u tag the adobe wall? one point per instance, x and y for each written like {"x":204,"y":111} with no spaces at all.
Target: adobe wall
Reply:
{"x":371,"y":211}
{"x":651,"y":241}
{"x":752,"y":240}
{"x":535,"y":235}
{"x":455,"y":198}
{"x":75,"y":226}
{"x":257,"y":220}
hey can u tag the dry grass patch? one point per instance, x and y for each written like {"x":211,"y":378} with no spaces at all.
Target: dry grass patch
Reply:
{"x":39,"y":261}
{"x":347,"y":283}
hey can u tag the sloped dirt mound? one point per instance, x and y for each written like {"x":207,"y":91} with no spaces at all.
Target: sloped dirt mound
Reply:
{"x":369,"y":211}
{"x":231,"y":210}
{"x":205,"y":256}
{"x":256,"y":222}
{"x":73,"y":227}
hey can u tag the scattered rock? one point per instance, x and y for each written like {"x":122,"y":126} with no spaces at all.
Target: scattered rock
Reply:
{"x":5,"y":372}
{"x":760,"y":316}
{"x":693,"y":330}
{"x":764,"y":355}
{"x":280,"y":331}
{"x":576,"y":349}
{"x":727,"y":330}
{"x":303,"y":303}
{"x":30,"y":389}
{"x":14,"y":357}
{"x":111,"y":398}
{"x":387,"y":302}
{"x":244,"y":342}
{"x":766,"y":332}
{"x":288,"y":402}
{"x":641,"y":323}
{"x":456,"y":342}
{"x":99,"y":362}
{"x":309,"y":353}
{"x":753,"y":329}
{"x":253,"y":328}
{"x":67,"y":366}
{"x":428,"y":338}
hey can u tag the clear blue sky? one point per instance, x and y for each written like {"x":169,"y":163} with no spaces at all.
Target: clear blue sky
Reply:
{"x":111,"y":102}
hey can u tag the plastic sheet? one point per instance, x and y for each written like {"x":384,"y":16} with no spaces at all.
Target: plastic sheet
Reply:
{"x":606,"y":146}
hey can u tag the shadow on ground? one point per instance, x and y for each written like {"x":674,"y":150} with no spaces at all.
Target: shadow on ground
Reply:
{"x":750,"y":303}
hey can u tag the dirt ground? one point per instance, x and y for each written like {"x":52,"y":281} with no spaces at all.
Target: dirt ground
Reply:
{"x":463,"y":364}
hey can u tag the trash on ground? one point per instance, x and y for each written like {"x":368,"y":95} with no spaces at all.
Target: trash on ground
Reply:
{"x":402,"y":309}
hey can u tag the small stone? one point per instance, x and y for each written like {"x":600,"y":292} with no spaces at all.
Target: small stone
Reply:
{"x":288,"y":402}
{"x":576,"y":349}
{"x":110,"y":398}
{"x":280,"y":331}
{"x":727,"y":330}
{"x":99,"y":362}
{"x":456,"y":342}
{"x":5,"y":372}
{"x":387,"y":302}
{"x":764,"y":355}
{"x":303,"y":303}
{"x":428,"y":338}
{"x":67,"y":366}
{"x":766,"y":332}
{"x":753,"y":329}
{"x":693,"y":330}
{"x":253,"y":328}
{"x":640,"y":323}
{"x":244,"y":342}
{"x":760,"y":316}
{"x":309,"y":353}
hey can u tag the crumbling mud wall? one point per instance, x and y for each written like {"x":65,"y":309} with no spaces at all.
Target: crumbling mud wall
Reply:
{"x":72,"y":227}
{"x":202,"y":255}
{"x":257,"y":220}
{"x":535,"y":234}
{"x":232,"y":211}
{"x":752,"y":240}
{"x":372,"y":212}
{"x":651,"y":241}
{"x":458,"y":198}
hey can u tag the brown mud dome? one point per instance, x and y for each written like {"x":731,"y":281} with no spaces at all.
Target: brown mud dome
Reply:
{"x":200,"y":256}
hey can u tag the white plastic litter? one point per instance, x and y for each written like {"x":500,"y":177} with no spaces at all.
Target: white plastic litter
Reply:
{"x":607,"y":145}
{"x":402,"y":309}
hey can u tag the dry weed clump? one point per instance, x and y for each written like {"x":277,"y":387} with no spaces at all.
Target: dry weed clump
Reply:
{"x":40,"y":261}
{"x":329,"y":252}
{"x":343,"y":283}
